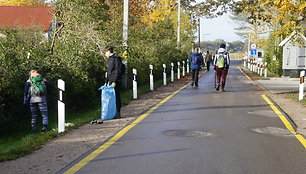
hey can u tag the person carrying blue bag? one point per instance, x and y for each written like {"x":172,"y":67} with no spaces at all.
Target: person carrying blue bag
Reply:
{"x":113,"y":82}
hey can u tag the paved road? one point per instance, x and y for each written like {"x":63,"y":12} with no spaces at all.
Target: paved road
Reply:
{"x":281,"y":85}
{"x":200,"y":130}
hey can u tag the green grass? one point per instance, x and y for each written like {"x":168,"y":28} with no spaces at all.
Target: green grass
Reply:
{"x":23,"y":142}
{"x":295,"y":97}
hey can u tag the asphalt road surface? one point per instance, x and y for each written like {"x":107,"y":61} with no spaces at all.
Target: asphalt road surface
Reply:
{"x":202,"y":131}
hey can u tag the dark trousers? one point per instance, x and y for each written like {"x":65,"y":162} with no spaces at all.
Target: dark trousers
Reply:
{"x":118,"y":98}
{"x":195,"y":76}
{"x":208,"y":65}
{"x":43,"y":108}
{"x":221,"y":75}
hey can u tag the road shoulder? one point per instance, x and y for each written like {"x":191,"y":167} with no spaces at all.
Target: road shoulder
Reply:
{"x":294,"y":110}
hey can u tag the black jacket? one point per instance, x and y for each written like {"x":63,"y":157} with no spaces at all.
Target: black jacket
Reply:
{"x":114,"y":69}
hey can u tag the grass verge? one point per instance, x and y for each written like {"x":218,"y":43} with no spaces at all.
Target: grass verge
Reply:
{"x":295,"y":97}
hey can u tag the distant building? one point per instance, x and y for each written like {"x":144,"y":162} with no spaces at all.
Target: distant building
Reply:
{"x":294,"y":56}
{"x":26,"y":17}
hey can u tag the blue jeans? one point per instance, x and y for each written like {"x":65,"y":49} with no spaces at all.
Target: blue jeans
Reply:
{"x":43,"y":108}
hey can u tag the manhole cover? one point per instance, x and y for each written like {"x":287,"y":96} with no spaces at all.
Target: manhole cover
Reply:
{"x":273,"y":131}
{"x":187,"y":133}
{"x":266,"y":113}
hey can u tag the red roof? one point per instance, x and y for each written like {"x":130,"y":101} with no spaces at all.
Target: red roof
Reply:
{"x":25,"y":17}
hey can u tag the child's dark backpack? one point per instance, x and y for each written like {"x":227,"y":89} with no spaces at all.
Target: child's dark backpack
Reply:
{"x":121,"y":66}
{"x":38,"y":87}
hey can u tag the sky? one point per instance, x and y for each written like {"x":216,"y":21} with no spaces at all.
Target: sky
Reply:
{"x":218,"y":28}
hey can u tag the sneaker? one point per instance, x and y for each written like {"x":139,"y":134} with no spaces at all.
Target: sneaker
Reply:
{"x":192,"y":83}
{"x":223,"y":90}
{"x":196,"y":85}
{"x":218,"y":87}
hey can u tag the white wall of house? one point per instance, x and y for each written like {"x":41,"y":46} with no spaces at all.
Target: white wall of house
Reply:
{"x":294,"y":56}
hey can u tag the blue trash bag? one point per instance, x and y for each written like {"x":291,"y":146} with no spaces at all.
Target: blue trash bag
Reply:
{"x":108,"y":102}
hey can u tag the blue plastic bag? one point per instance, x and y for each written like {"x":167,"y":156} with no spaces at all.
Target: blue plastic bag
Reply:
{"x":108,"y":102}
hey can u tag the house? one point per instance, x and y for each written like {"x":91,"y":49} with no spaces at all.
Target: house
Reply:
{"x":294,"y":56}
{"x":26,"y":17}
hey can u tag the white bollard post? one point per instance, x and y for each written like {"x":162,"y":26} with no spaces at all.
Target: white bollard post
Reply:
{"x":61,"y":106}
{"x":178,"y":70}
{"x":105,"y":77}
{"x":302,"y":81}
{"x":172,"y":72}
{"x":266,"y":69}
{"x":261,"y":68}
{"x":151,"y":78}
{"x":134,"y":84}
{"x":244,"y":63}
{"x":165,"y":74}
{"x":184,"y":68}
{"x":258,"y":68}
{"x":188,"y":68}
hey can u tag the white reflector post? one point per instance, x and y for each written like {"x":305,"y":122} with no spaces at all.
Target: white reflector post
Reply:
{"x":178,"y":70}
{"x":164,"y":74}
{"x":302,"y":81}
{"x":151,"y":78}
{"x":184,"y":68}
{"x":134,"y":84}
{"x":188,"y":68}
{"x":172,"y":72}
{"x":61,"y":106}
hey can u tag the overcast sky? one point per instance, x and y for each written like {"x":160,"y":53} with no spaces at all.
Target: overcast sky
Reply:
{"x":218,"y":28}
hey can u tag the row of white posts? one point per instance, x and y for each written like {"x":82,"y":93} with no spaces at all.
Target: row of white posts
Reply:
{"x":257,"y":67}
{"x":61,"y":87}
{"x":164,"y":75}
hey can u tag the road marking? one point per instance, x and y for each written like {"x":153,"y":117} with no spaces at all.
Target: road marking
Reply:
{"x":281,"y":116}
{"x":244,"y":73}
{"x":115,"y":138}
{"x":285,"y":121}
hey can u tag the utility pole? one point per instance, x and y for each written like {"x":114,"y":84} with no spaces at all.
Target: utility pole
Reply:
{"x":125,"y":38}
{"x":125,"y":22}
{"x":179,"y":23}
{"x":199,"y":33}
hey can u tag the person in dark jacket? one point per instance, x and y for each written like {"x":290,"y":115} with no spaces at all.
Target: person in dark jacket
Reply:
{"x":208,"y":59}
{"x":114,"y":75}
{"x":221,"y":66}
{"x":36,"y":101}
{"x":196,"y":59}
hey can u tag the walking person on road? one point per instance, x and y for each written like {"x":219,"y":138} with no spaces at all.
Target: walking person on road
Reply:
{"x":221,"y":66}
{"x":208,"y":59}
{"x":35,"y":94}
{"x":196,"y":59}
{"x":115,"y":72}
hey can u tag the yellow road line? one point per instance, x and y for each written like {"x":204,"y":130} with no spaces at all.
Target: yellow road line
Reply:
{"x":244,"y":73}
{"x":114,"y":139}
{"x":285,"y":121}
